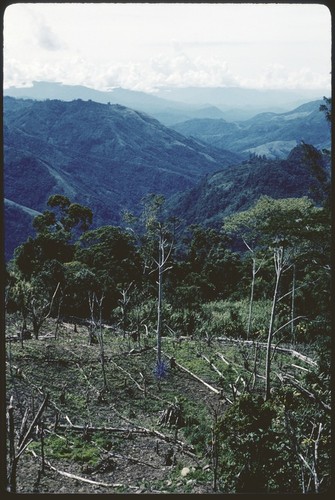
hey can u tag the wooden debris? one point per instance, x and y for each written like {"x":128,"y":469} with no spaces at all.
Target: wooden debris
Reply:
{"x":211,"y":364}
{"x":250,"y":343}
{"x":181,"y":367}
{"x":305,"y":392}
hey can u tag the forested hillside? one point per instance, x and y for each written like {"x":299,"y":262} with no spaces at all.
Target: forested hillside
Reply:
{"x":305,"y":172}
{"x":107,"y":156}
{"x":273,"y":135}
{"x":172,"y":105}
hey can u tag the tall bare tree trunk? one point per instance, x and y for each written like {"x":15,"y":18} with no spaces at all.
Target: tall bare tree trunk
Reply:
{"x":24,"y":440}
{"x":293,"y":328}
{"x":278,"y":261}
{"x":160,"y":300}
{"x":251,"y":301}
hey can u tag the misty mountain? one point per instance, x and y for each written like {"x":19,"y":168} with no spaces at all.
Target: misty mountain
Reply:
{"x":173,"y":105}
{"x":166,"y":111}
{"x":269,"y":134}
{"x":242,"y":103}
{"x":305,"y":172}
{"x":104,"y":156}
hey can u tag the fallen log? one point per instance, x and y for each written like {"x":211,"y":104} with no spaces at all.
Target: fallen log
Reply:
{"x":210,"y":387}
{"x":251,"y":343}
{"x":229,"y":363}
{"x":184,"y":446}
{"x":91,"y":429}
{"x":300,"y":367}
{"x":181,"y":367}
{"x":82,"y":479}
{"x":142,"y":389}
{"x":223,"y":359}
{"x":211,"y":364}
{"x":135,"y":429}
{"x":305,"y":392}
{"x":128,"y":374}
{"x":130,"y":459}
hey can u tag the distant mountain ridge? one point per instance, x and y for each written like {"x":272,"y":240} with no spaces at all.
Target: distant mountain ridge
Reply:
{"x":174,"y":105}
{"x":269,"y":134}
{"x":166,"y":111}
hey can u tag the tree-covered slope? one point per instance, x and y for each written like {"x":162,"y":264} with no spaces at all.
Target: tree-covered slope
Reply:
{"x":304,"y":173}
{"x":269,"y":134}
{"x":104,"y":156}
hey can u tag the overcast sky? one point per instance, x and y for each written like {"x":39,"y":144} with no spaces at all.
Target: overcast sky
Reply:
{"x":144,"y":46}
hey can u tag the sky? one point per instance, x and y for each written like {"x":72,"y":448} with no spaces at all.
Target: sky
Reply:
{"x":147,"y":46}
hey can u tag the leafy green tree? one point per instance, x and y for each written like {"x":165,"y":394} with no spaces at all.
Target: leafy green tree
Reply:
{"x":79,"y":282}
{"x":250,"y":450}
{"x":55,"y":233}
{"x":278,"y":446}
{"x":209,"y":269}
{"x":286,"y":228}
{"x":326,"y":108}
{"x":64,"y":218}
{"x":111,"y":255}
{"x":39,"y":262}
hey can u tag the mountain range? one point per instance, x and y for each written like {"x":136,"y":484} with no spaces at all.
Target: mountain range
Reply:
{"x":104,"y":156}
{"x":173,"y":105}
{"x":108,"y":156}
{"x":269,"y":134}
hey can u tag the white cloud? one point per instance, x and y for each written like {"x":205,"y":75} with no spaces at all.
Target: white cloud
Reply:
{"x":143,"y":46}
{"x":48,"y":40}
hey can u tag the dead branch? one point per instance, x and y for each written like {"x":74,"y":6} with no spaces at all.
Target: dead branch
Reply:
{"x":250,"y":343}
{"x":125,"y":457}
{"x":308,"y":394}
{"x":38,"y":389}
{"x":80,"y":478}
{"x":184,"y":446}
{"x":23,"y":443}
{"x":223,"y":359}
{"x":128,"y":374}
{"x":211,"y":364}
{"x":92,"y":429}
{"x":210,"y":387}
{"x":229,"y":363}
{"x":33,"y":424}
{"x":300,"y":367}
{"x":181,"y":367}
{"x":142,"y":389}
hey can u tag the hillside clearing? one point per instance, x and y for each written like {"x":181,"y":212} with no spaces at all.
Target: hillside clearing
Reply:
{"x":138,"y":434}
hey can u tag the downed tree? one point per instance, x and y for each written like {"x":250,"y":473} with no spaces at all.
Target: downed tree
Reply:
{"x":231,"y":365}
{"x":224,"y":359}
{"x":143,"y":389}
{"x":305,"y":392}
{"x":211,"y":364}
{"x":181,"y":367}
{"x":135,"y":429}
{"x":251,"y":343}
{"x":92,"y":428}
{"x":89,"y":481}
